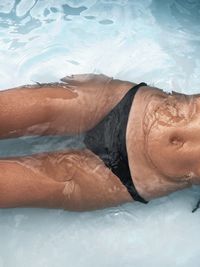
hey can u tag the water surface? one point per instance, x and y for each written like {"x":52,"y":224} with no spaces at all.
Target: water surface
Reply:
{"x":154,"y":41}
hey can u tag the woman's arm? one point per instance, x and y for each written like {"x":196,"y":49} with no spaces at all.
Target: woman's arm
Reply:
{"x":73,"y":106}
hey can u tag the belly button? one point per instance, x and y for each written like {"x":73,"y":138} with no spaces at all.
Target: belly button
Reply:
{"x":176,"y":141}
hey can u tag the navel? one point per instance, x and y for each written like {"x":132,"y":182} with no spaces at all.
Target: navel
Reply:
{"x":176,"y":140}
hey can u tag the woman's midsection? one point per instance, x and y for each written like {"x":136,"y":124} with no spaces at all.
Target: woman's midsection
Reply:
{"x":163,"y":139}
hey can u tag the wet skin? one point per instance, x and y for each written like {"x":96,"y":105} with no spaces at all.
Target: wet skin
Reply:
{"x":162,"y":141}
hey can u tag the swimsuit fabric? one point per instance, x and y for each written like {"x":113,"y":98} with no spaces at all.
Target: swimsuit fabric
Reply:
{"x":108,"y":140}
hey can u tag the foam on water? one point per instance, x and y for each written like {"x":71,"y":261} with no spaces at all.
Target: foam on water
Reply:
{"x":149,"y":40}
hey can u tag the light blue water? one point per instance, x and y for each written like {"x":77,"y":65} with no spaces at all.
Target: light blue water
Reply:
{"x":149,"y":40}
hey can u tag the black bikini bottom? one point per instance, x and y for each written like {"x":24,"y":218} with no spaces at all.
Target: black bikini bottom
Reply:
{"x":108,"y":140}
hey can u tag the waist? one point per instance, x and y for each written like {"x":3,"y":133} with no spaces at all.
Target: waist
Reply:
{"x":143,"y":137}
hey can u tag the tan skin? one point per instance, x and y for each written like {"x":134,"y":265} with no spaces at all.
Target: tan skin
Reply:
{"x":162,"y":141}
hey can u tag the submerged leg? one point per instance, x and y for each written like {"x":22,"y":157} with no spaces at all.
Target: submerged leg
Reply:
{"x":34,"y":110}
{"x":73,"y":106}
{"x":21,"y":184}
{"x":73,"y":180}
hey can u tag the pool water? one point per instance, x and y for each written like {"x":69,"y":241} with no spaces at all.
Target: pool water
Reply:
{"x":154,"y":41}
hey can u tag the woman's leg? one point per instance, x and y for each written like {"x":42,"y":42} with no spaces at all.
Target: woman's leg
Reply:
{"x":70,"y":107}
{"x":22,"y":184}
{"x":73,"y":180}
{"x":34,"y":110}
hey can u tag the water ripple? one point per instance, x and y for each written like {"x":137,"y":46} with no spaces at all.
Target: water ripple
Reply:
{"x":148,"y":40}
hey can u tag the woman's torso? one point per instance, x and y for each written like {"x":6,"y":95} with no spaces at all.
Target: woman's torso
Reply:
{"x":153,"y":135}
{"x":163,"y":141}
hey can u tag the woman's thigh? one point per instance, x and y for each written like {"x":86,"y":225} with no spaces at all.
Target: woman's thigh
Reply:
{"x":61,"y":108}
{"x":73,"y":180}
